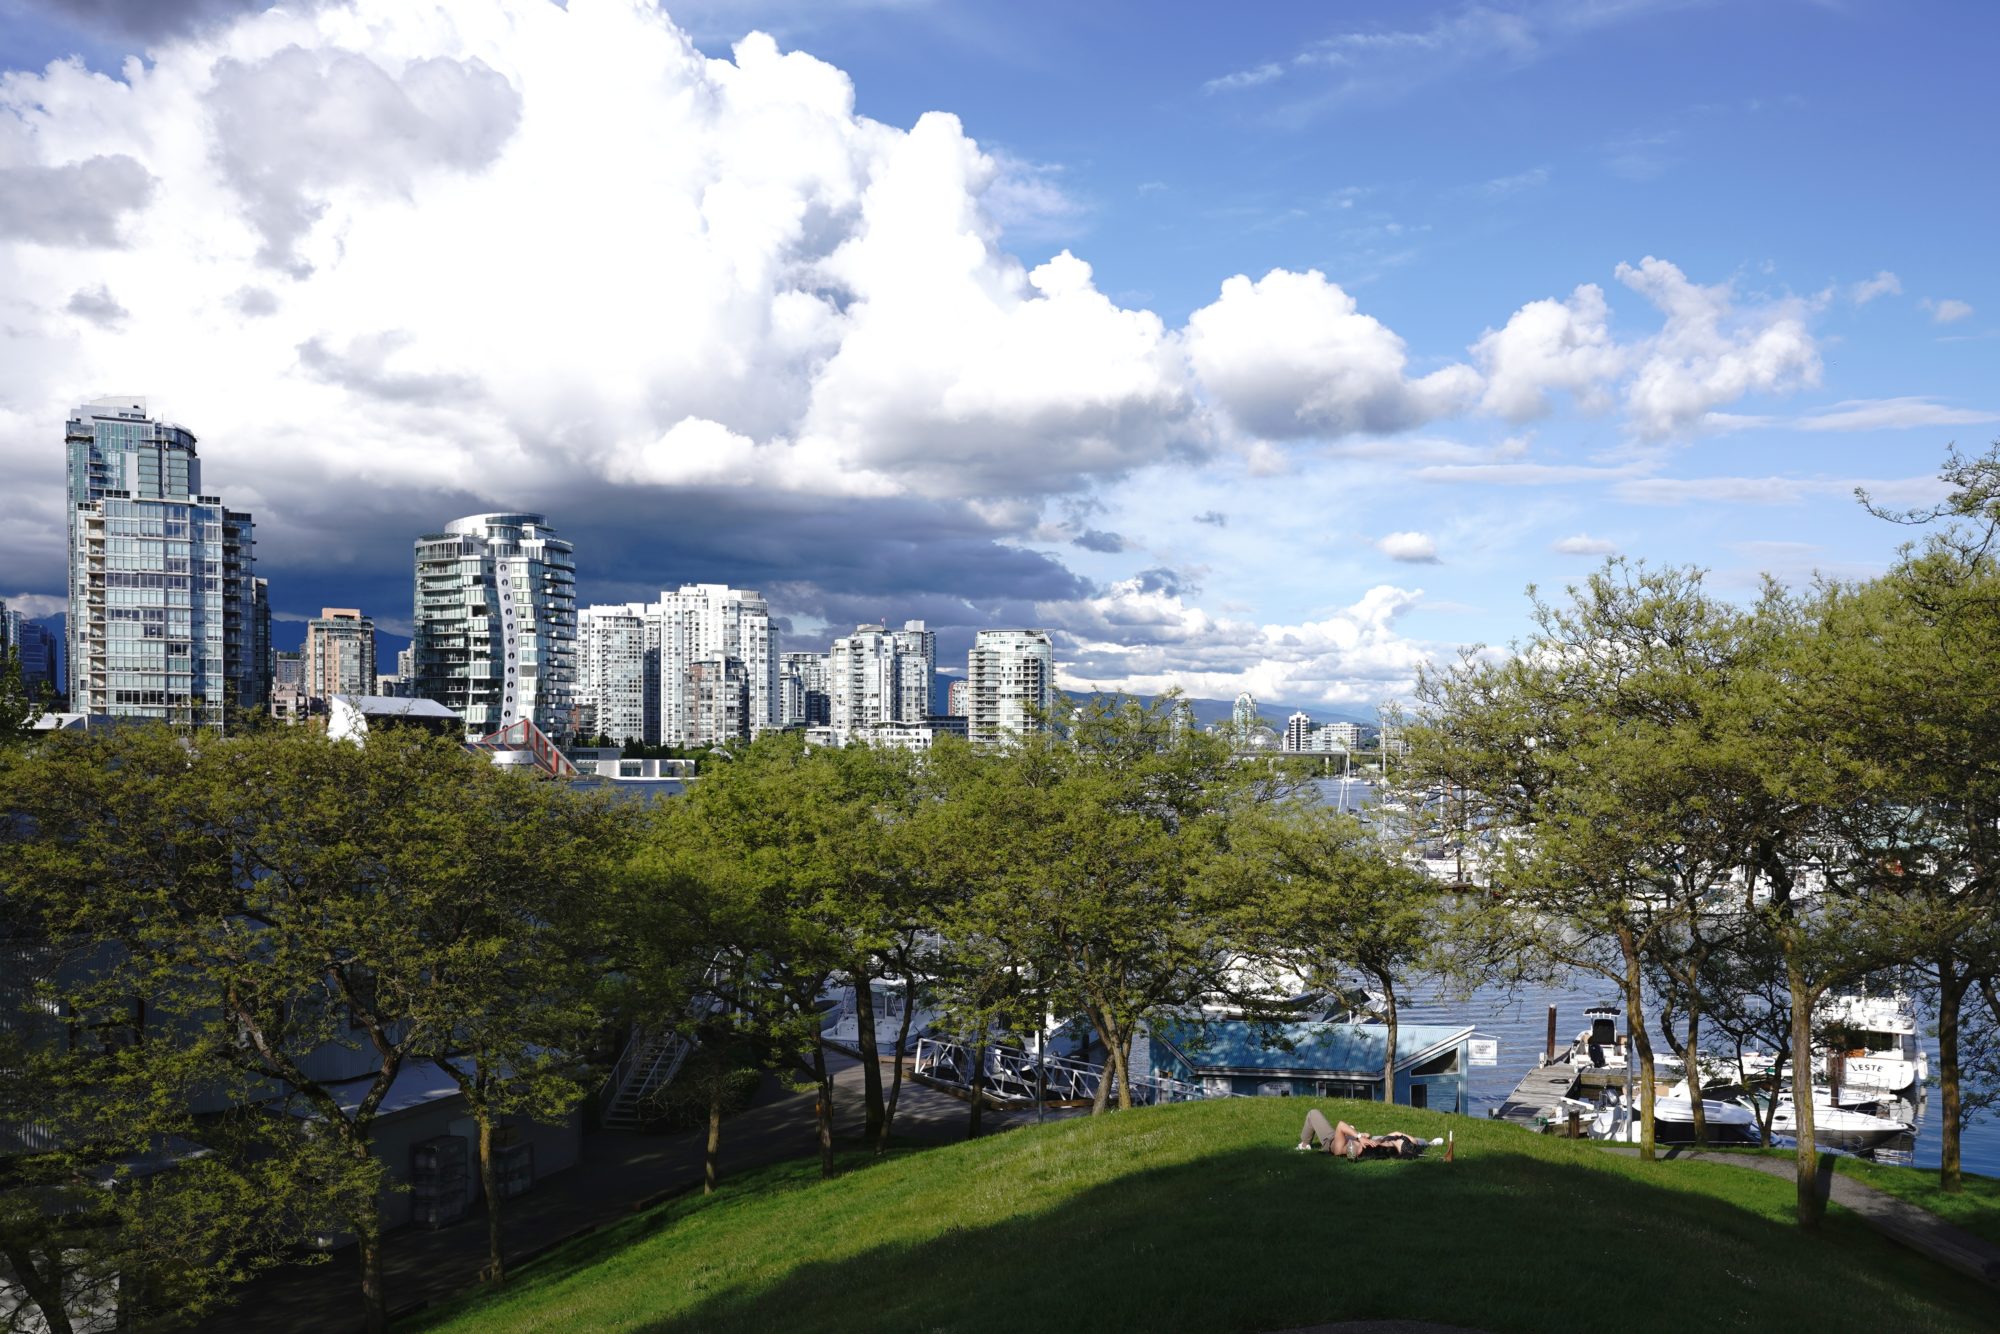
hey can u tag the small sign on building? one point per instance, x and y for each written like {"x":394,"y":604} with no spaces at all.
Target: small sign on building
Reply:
{"x":1483,"y":1051}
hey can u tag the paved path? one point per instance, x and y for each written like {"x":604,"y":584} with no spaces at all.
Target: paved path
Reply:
{"x":618,"y":1174}
{"x":1899,"y":1220}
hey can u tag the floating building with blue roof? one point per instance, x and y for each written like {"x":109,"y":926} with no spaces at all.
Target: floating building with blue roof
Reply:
{"x":1311,"y":1059}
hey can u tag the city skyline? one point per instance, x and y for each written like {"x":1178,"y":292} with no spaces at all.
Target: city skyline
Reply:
{"x":1273,"y":351}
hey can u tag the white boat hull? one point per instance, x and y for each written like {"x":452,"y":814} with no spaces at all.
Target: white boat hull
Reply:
{"x":1673,"y":1122}
{"x":1875,"y":1073}
{"x":1838,"y":1123}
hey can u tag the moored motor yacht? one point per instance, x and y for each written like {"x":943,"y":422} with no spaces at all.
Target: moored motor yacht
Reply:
{"x":1871,"y":1045}
{"x":1673,"y":1120}
{"x":1843,"y":1125}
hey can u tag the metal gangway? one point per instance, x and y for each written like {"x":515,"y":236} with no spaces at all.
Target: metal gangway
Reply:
{"x":648,"y":1064}
{"x":651,"y":1059}
{"x":1016,"y":1076}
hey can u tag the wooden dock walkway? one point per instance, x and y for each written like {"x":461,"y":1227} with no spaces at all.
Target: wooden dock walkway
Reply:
{"x":1540,"y":1093}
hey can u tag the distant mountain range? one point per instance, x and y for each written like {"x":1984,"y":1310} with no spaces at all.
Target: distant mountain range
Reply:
{"x":1208,"y":711}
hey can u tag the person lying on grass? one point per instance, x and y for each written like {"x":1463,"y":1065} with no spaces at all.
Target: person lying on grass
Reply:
{"x":1345,"y":1140}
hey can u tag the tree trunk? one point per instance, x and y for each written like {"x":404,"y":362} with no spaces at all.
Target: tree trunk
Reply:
{"x":1100,"y":1098}
{"x":712,"y":1152}
{"x":1802,"y":1103}
{"x":45,"y":1291}
{"x":1951,"y":992}
{"x":1041,"y":1062}
{"x":874,"y":1117}
{"x":1691,"y":1061}
{"x":1389,"y":1051}
{"x":1121,"y":1057}
{"x":1777,"y":1086}
{"x":1641,"y":1042}
{"x":902,"y":1045}
{"x":823,"y":1107}
{"x":496,"y":1272}
{"x":368,"y":1245}
{"x":977,"y":1073}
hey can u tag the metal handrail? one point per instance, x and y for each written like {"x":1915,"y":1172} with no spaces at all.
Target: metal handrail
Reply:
{"x":1059,"y":1078}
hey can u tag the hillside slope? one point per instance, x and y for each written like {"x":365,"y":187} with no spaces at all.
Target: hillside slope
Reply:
{"x":1202,"y":1217}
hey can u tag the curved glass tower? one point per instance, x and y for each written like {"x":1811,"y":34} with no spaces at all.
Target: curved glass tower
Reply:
{"x":495,"y":625}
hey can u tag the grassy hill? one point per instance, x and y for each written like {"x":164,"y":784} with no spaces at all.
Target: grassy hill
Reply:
{"x":1201,"y":1217}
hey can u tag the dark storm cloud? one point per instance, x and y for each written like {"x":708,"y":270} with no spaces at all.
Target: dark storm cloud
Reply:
{"x":364,"y":368}
{"x":149,"y":20}
{"x":1096,"y":539}
{"x":819,"y":560}
{"x":1160,"y":579}
{"x":97,"y":305}
{"x":254,"y":302}
{"x":75,"y":204}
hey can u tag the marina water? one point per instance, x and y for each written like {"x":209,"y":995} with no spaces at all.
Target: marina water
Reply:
{"x":1519,"y":1020}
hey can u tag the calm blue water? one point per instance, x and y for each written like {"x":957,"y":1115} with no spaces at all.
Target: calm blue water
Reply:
{"x":1519,"y":1019}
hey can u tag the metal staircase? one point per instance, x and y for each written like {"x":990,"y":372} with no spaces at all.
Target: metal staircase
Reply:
{"x":649,"y":1063}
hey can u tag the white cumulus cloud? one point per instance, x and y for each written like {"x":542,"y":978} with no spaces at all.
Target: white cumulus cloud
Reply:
{"x":1711,"y":350}
{"x":1884,"y":283}
{"x":1291,"y":355}
{"x":488,"y":252}
{"x":1949,"y":310}
{"x":1412,"y":547}
{"x":1549,"y":345}
{"x":1141,"y":636}
{"x":1583,"y":544}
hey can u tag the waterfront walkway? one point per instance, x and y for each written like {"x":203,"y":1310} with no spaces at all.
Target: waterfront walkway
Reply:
{"x":618,"y":1174}
{"x":1899,"y":1220}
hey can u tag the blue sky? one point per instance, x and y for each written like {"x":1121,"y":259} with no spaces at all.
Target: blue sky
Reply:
{"x":1521,"y":284}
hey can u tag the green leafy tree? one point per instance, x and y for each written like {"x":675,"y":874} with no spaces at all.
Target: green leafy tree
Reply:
{"x":1105,"y":834}
{"x":512,"y":964}
{"x":1337,"y":901}
{"x":18,"y":706}
{"x":1594,"y":753}
{"x":691,"y":953}
{"x":1922,"y":700}
{"x":275,"y":899}
{"x":788,"y":844}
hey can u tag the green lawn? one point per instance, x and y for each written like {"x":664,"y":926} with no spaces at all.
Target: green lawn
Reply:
{"x":1976,"y":1208}
{"x":1201,"y":1217}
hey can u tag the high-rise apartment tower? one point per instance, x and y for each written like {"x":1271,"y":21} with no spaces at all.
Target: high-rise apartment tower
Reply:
{"x":1010,"y":684}
{"x":696,"y":623}
{"x":339,"y":654}
{"x":495,"y":623}
{"x":611,"y":673}
{"x":166,"y":618}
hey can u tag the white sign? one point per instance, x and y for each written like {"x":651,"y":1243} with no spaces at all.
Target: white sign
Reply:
{"x":1483,"y":1051}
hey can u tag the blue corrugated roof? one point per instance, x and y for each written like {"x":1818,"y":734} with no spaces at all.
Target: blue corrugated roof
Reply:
{"x":1334,"y":1049}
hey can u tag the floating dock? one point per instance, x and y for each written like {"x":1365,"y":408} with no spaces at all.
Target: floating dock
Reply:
{"x":1543,"y":1097}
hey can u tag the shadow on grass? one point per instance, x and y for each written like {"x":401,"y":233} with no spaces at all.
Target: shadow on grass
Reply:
{"x":1263,"y":1238}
